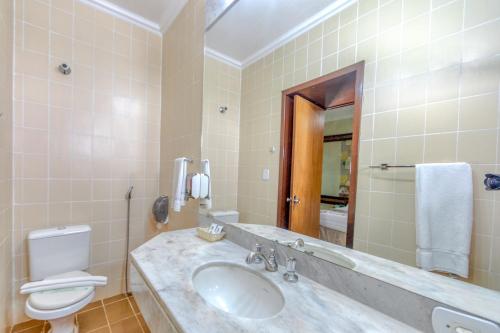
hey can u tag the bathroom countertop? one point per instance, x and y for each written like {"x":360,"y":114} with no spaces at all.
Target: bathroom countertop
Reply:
{"x":467,"y":297}
{"x":168,"y":261}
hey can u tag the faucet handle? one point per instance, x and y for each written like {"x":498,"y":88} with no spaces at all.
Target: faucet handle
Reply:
{"x":273,"y":259}
{"x":291,"y":274}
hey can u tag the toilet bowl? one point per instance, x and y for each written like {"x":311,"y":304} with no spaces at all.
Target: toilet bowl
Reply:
{"x":61,"y":287}
{"x":58,"y":306}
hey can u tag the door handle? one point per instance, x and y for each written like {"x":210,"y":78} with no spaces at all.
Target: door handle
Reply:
{"x":295,"y":200}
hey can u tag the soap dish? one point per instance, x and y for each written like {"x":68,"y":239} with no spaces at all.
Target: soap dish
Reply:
{"x":203,"y":233}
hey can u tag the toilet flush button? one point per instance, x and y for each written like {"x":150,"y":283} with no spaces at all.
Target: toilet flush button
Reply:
{"x":450,"y":321}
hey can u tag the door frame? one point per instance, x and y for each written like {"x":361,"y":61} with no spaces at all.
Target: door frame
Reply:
{"x":342,"y":96}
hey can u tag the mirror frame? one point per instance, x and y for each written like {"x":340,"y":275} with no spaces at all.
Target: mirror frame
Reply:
{"x":345,"y":88}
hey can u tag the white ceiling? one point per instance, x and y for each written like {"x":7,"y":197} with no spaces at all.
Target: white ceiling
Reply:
{"x":156,"y":15}
{"x":250,"y":28}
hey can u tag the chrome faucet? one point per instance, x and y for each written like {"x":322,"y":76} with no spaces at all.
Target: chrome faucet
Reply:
{"x":298,"y":243}
{"x":269,"y":262}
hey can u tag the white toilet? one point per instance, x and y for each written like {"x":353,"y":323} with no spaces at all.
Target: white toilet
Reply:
{"x":57,"y":258}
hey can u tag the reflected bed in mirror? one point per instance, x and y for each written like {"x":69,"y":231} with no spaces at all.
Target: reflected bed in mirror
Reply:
{"x":337,"y":143}
{"x":439,"y":109}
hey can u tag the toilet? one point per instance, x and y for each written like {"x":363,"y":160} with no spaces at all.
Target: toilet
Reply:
{"x":60,"y":287}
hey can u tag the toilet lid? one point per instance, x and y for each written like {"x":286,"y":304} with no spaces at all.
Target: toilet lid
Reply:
{"x":60,"y":298}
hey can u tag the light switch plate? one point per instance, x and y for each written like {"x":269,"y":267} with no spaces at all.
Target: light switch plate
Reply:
{"x":265,"y":174}
{"x":450,"y":321}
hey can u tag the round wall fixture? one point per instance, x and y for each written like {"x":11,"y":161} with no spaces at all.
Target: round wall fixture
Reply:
{"x":64,"y":68}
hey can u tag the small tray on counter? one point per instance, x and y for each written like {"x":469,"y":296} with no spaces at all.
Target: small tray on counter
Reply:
{"x":204,"y":234}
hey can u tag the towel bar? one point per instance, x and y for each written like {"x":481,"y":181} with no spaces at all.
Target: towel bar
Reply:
{"x":385,"y":166}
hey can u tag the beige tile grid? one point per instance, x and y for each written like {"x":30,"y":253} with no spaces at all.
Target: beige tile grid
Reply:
{"x":182,"y":106}
{"x":81,"y":140}
{"x":431,"y":81}
{"x":6,"y":48}
{"x":220,"y":139}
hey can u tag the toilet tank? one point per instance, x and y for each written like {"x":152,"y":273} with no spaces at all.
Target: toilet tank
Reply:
{"x":58,"y":250}
{"x":226,"y":216}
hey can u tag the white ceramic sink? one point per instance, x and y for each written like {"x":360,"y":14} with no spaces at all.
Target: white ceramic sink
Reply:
{"x":238,"y":290}
{"x":328,"y":255}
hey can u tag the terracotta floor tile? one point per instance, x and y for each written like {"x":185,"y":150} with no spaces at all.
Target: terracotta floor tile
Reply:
{"x":90,"y":306}
{"x":91,"y":320}
{"x":144,"y":326}
{"x":104,"y":329}
{"x":129,"y":325}
{"x":118,"y":310}
{"x":26,"y":325}
{"x":135,"y":307}
{"x":114,"y":298}
{"x":35,"y":329}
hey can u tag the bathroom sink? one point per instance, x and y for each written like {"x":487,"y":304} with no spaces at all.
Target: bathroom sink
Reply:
{"x":238,"y":290}
{"x":328,"y":255}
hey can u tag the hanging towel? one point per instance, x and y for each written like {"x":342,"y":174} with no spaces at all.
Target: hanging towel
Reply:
{"x":179,"y":183}
{"x":443,"y":217}
{"x":205,"y":169}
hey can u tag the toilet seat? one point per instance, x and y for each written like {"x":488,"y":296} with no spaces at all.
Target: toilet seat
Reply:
{"x":57,"y":313}
{"x":57,"y":303}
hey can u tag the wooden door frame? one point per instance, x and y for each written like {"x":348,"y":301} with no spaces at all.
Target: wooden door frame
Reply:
{"x":286,"y":137}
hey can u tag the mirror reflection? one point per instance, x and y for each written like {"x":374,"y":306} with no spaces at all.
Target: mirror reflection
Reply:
{"x":336,"y":172}
{"x":339,"y":112}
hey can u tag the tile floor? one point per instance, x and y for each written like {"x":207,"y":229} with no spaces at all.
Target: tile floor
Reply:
{"x":117,"y":314}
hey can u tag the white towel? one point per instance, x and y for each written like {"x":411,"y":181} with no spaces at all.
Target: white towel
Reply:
{"x":205,"y":169}
{"x":443,"y":212}
{"x":179,"y":184}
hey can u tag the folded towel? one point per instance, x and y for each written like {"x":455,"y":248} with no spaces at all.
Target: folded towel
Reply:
{"x":443,"y":213}
{"x":179,"y":184}
{"x":206,"y":202}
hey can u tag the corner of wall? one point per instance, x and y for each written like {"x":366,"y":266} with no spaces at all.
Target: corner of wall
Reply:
{"x":182,"y":100}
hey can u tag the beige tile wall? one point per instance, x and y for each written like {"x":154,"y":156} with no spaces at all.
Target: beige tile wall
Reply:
{"x":220,"y":139}
{"x":431,"y":95}
{"x":6,"y":130}
{"x":81,"y":140}
{"x":182,"y":102}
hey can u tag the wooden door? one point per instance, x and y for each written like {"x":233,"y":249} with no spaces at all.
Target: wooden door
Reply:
{"x":307,"y":163}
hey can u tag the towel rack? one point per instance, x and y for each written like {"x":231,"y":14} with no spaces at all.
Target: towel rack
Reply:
{"x":385,"y":166}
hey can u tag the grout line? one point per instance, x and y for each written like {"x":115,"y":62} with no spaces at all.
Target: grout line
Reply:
{"x":106,"y":315}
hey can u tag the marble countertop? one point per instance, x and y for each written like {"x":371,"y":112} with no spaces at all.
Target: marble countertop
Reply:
{"x":467,"y":297}
{"x":168,"y":261}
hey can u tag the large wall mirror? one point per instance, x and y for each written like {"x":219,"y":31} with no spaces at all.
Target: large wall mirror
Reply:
{"x":351,"y":96}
